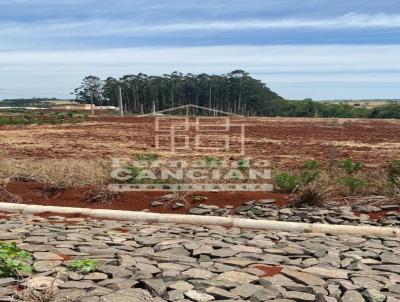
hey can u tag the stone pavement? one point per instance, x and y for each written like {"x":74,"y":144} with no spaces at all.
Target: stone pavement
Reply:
{"x":160,"y":262}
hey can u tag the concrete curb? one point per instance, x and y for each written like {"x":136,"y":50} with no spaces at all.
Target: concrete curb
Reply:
{"x":243,"y":223}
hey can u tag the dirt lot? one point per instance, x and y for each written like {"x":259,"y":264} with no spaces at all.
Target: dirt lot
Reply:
{"x":284,"y":141}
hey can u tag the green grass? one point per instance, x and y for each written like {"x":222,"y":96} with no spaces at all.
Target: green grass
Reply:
{"x":13,"y":260}
{"x":84,"y":266}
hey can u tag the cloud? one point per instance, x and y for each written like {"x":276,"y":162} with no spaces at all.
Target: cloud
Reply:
{"x":115,"y":27}
{"x":57,"y":73}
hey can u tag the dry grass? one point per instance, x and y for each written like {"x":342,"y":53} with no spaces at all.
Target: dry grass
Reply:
{"x":5,"y":195}
{"x":56,"y":174}
{"x":102,"y":194}
{"x":314,"y":194}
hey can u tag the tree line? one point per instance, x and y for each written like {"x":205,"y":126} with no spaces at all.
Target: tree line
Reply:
{"x":235,"y":92}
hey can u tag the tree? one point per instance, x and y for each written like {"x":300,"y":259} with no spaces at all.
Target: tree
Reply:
{"x":90,"y":91}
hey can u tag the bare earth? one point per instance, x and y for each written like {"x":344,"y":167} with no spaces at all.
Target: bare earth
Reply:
{"x":284,"y":141}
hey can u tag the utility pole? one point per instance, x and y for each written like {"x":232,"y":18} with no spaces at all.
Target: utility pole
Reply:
{"x":91,"y":104}
{"x":121,"y":108}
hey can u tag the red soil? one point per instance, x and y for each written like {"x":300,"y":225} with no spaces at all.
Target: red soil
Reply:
{"x":32,"y":193}
{"x":284,"y":141}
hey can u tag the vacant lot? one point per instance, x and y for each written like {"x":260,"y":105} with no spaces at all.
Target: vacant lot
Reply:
{"x":284,"y":141}
{"x":68,"y":160}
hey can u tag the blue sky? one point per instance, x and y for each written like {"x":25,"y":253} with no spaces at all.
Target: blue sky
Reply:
{"x":312,"y":48}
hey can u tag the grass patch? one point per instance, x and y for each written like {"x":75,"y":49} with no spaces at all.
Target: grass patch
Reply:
{"x":14,"y":260}
{"x":84,"y":266}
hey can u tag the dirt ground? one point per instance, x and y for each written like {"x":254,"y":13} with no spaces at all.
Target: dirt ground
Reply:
{"x":286,"y":142}
{"x":283,"y":141}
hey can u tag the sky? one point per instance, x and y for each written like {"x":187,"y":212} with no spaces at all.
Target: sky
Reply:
{"x":320,"y":49}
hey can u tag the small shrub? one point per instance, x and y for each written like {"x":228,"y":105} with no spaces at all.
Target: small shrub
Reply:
{"x":287,"y":182}
{"x":84,"y":266}
{"x":311,"y":195}
{"x":351,"y":167}
{"x":353,"y":183}
{"x":13,"y":260}
{"x":147,"y":156}
{"x":312,"y":165}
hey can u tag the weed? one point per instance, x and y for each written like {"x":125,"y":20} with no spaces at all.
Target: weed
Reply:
{"x":311,"y":195}
{"x":83,"y":266}
{"x":353,"y":183}
{"x":13,"y":260}
{"x":351,"y":167}
{"x":312,"y":165}
{"x":287,"y":182}
{"x":290,"y":182}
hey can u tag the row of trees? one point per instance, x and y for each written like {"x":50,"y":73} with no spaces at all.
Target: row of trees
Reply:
{"x":308,"y":108}
{"x":235,"y":92}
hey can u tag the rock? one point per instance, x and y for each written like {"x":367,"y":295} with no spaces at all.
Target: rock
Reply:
{"x":327,"y":273}
{"x":177,"y":205}
{"x":387,"y":268}
{"x":43,"y":283}
{"x":7,"y":281}
{"x":95,"y":276}
{"x":47,"y":256}
{"x":45,"y":265}
{"x":197,"y":273}
{"x":265,"y":294}
{"x":224,"y":253}
{"x":390,"y":258}
{"x":198,"y":283}
{"x":198,"y":211}
{"x":148,"y":268}
{"x":302,"y":277}
{"x":181,"y":285}
{"x":352,"y":296}
{"x":219,"y":293}
{"x":373,"y":295}
{"x":198,"y":296}
{"x":77,"y":284}
{"x":237,"y":277}
{"x":155,"y":285}
{"x":115,"y":271}
{"x":365,"y":282}
{"x":174,"y":295}
{"x":246,"y":290}
{"x":299,"y":296}
{"x":129,"y":294}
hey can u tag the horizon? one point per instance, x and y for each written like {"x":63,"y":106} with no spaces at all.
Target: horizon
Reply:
{"x":319,"y":49}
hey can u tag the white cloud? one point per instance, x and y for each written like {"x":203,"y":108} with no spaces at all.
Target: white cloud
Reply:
{"x":115,"y":27}
{"x":281,"y":65}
